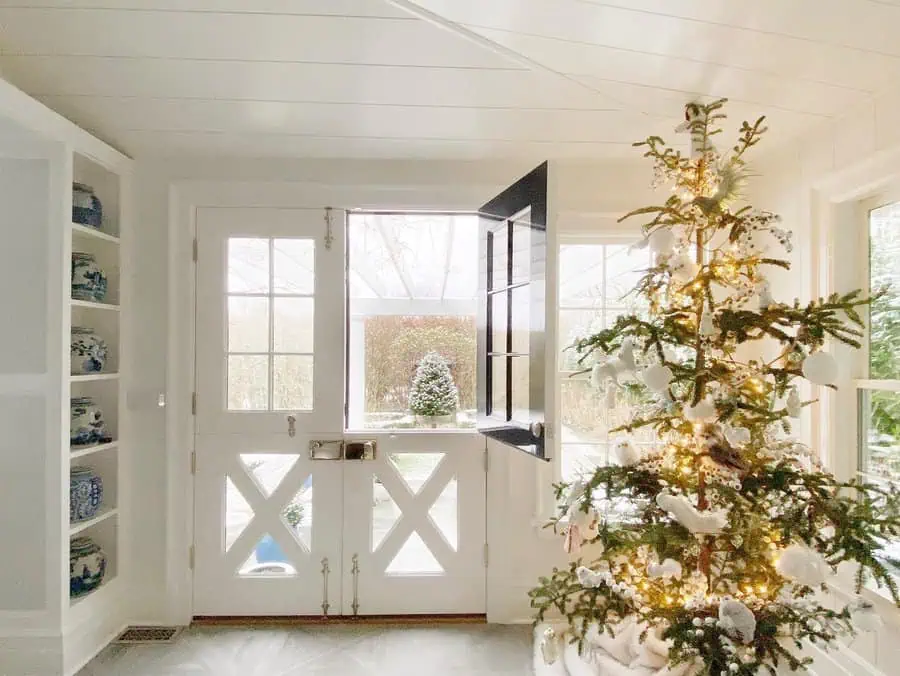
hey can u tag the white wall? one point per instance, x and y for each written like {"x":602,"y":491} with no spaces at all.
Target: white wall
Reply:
{"x":589,"y":193}
{"x":815,"y":185}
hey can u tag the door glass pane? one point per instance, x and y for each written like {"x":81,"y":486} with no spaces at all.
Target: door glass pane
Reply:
{"x":292,"y":381}
{"x":297,"y":515}
{"x":294,"y":326}
{"x":521,"y":267}
{"x":238,"y":513}
{"x":248,"y":383}
{"x":385,"y":512}
{"x":499,"y":322}
{"x":500,"y":271}
{"x":248,"y":324}
{"x":521,"y":319}
{"x":884,"y":272}
{"x":415,"y":468}
{"x":414,"y":558}
{"x":267,"y":559}
{"x":268,"y":469}
{"x":880,"y":435}
{"x":498,"y":387}
{"x":248,"y":265}
{"x":294,"y":266}
{"x":521,"y":394}
{"x":445,"y":513}
{"x":413,"y":291}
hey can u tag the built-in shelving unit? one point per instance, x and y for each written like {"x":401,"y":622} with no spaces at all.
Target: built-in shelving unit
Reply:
{"x":104,"y":317}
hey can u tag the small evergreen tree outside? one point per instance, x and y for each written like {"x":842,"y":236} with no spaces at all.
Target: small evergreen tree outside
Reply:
{"x":710,"y":547}
{"x":433,"y":392}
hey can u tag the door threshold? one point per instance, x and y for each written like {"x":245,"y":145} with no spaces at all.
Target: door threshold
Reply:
{"x":299,"y":620}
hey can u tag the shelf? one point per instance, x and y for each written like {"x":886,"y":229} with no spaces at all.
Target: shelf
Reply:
{"x":94,"y":377}
{"x":104,"y":514}
{"x":96,"y":595}
{"x":81,"y":451}
{"x":87,"y":231}
{"x":97,"y":306}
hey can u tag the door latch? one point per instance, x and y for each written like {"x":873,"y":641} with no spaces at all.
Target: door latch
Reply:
{"x":292,"y":425}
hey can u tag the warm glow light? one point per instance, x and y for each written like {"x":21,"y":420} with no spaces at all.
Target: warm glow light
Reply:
{"x":762,"y":589}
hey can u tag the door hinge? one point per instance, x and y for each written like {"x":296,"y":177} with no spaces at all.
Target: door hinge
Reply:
{"x":194,"y":250}
{"x":193,"y":403}
{"x":191,"y":556}
{"x":485,"y":554}
{"x":193,"y":462}
{"x":487,"y":460}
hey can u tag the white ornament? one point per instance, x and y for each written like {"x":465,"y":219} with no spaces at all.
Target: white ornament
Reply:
{"x":820,"y":368}
{"x":626,"y":354}
{"x":576,"y":491}
{"x":583,"y":527}
{"x":683,"y":268}
{"x":590,"y":578}
{"x":793,"y":405}
{"x":601,"y":373}
{"x":626,"y":452}
{"x":662,"y":241}
{"x":707,"y":328}
{"x":703,"y":411}
{"x":708,"y":522}
{"x":670,"y":568}
{"x":737,"y":436}
{"x":737,"y":620}
{"x":551,"y":645}
{"x":657,"y":377}
{"x":804,"y":565}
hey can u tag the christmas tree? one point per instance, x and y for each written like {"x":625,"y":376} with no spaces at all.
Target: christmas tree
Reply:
{"x":433,"y":392}
{"x":704,"y":555}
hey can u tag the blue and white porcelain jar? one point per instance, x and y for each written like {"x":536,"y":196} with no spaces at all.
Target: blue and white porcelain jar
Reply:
{"x":88,"y":350}
{"x":86,"y":208}
{"x":87,"y":566}
{"x":85,"y":494}
{"x":88,"y":281}
{"x":87,"y":425}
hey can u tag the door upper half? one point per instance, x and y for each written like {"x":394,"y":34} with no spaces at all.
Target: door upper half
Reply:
{"x":517,"y":314}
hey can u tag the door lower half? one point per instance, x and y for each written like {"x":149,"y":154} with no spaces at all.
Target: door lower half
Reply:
{"x":269,"y":353}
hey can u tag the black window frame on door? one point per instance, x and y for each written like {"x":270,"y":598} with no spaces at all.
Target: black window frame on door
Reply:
{"x":519,"y":211}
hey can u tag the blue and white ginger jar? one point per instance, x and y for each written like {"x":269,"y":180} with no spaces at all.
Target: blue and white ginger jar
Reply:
{"x":87,"y":566}
{"x":85,"y":494}
{"x":89,"y":351}
{"x":88,"y":281}
{"x":86,"y":208}
{"x":86,"y":425}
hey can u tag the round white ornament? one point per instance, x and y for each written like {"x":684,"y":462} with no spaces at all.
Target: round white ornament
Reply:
{"x":820,"y":368}
{"x":662,"y":241}
{"x":703,"y":411}
{"x":626,"y":452}
{"x":657,"y":377}
{"x":804,"y":565}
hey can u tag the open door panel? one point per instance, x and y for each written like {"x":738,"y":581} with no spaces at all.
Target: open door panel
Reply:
{"x":517,"y":263}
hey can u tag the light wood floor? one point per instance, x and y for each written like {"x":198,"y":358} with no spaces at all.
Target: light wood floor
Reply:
{"x":340,"y":650}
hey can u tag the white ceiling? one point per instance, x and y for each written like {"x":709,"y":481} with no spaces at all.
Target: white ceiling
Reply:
{"x":438,"y":78}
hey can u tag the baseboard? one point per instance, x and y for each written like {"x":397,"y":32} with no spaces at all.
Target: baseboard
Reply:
{"x":84,"y":643}
{"x":399,"y":620}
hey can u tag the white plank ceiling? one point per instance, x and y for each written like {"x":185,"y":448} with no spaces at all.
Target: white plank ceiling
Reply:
{"x":464,"y":79}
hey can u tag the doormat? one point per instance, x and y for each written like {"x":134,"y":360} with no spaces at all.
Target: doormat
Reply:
{"x":133,"y":635}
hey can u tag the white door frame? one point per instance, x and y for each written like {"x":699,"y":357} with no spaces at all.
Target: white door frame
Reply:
{"x":184,"y":198}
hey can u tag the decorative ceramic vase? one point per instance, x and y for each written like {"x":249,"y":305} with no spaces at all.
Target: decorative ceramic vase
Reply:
{"x":87,"y":566}
{"x":89,"y":351}
{"x":85,"y":494}
{"x":86,"y":208}
{"x":88,"y":280}
{"x":87,"y":425}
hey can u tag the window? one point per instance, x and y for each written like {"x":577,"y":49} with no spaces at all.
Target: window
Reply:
{"x":413,"y":281}
{"x":596,"y":278}
{"x":270,"y":307}
{"x":879,"y":391}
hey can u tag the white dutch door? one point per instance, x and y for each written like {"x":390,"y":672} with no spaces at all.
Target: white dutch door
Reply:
{"x":389,"y":518}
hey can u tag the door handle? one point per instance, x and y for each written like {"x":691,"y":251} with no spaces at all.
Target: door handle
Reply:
{"x":292,"y":425}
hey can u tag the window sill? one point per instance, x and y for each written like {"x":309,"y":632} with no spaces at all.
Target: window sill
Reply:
{"x":843,"y":586}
